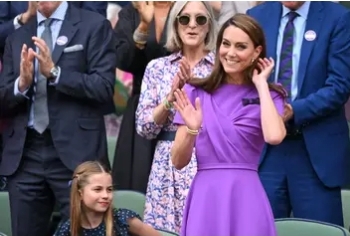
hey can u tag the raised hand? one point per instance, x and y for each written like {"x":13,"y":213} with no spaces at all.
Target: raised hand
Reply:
{"x":180,"y":79}
{"x":192,"y":116}
{"x":26,"y":68}
{"x":44,"y":57}
{"x":184,"y":73}
{"x":266,"y":66}
{"x":31,"y":11}
{"x":145,"y":9}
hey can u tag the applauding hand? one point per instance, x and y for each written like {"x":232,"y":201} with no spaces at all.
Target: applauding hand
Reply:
{"x":44,"y":57}
{"x":26,"y":68}
{"x":183,"y":75}
{"x":192,"y":116}
{"x":145,"y":9}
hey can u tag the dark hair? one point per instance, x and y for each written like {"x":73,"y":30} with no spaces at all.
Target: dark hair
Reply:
{"x":218,"y":76}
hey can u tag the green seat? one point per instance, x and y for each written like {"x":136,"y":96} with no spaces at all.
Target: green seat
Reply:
{"x":111,"y":142}
{"x":345,"y":196}
{"x":5,"y":214}
{"x":166,"y":233}
{"x":130,"y":200}
{"x":302,"y":227}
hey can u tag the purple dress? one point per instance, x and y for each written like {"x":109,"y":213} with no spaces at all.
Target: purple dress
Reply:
{"x":226,"y":197}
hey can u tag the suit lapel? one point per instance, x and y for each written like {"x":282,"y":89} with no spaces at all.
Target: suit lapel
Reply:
{"x":313,"y":23}
{"x":271,"y":26}
{"x":68,"y":30}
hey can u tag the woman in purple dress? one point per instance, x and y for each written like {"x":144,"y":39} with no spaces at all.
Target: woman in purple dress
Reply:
{"x":228,"y":117}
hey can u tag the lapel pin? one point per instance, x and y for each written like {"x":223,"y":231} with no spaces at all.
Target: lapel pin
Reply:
{"x":310,"y":35}
{"x":62,"y":40}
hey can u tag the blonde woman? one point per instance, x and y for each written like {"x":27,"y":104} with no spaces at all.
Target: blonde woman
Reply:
{"x":191,"y":38}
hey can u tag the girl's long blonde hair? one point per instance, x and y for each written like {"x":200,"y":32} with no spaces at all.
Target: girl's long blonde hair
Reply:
{"x":79,"y":181}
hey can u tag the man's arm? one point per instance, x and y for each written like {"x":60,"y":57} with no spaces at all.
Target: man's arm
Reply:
{"x":334,"y":94}
{"x":97,"y":83}
{"x":9,"y":102}
{"x":99,"y":7}
{"x":6,"y":23}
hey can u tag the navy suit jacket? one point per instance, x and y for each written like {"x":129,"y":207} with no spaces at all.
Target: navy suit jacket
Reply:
{"x":75,"y":104}
{"x":9,"y":10}
{"x":323,"y":84}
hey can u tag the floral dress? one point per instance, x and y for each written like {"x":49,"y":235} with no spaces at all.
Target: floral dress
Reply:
{"x":167,"y":187}
{"x":121,"y":226}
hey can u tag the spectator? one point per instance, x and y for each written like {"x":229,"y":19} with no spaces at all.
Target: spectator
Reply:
{"x":15,"y":14}
{"x":191,"y":56}
{"x":54,"y":108}
{"x":102,"y":218}
{"x":227,"y":118}
{"x":141,"y":37}
{"x":113,"y":10}
{"x":305,"y":173}
{"x":230,"y":8}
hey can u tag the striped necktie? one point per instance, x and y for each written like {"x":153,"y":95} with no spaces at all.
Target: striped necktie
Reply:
{"x":286,"y":56}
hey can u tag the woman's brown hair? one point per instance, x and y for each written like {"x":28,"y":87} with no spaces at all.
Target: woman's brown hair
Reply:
{"x":218,"y":76}
{"x":79,"y":181}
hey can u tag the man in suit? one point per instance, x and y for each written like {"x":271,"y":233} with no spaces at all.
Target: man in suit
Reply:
{"x":52,"y":89}
{"x":310,"y":42}
{"x":15,"y":14}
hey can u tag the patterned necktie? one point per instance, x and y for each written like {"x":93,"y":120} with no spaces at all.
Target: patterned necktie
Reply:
{"x":286,"y":57}
{"x":41,"y":113}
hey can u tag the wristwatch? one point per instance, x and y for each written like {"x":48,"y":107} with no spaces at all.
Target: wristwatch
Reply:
{"x":54,"y":73}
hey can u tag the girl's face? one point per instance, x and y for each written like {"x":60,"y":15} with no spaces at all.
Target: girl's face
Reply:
{"x":97,"y":195}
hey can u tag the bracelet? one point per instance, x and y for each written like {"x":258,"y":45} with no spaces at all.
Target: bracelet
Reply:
{"x":140,"y":46}
{"x":167,"y":105}
{"x":192,"y":131}
{"x":140,"y":38}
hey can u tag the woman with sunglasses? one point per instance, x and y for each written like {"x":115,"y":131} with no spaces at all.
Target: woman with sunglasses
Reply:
{"x":140,"y":37}
{"x":191,"y":36}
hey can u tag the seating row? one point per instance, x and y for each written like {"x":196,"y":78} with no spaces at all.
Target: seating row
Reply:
{"x":136,"y":201}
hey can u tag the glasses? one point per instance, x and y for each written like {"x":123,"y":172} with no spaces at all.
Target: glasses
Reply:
{"x":185,"y":20}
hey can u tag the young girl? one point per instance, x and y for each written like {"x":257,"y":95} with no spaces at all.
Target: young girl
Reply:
{"x":91,"y":209}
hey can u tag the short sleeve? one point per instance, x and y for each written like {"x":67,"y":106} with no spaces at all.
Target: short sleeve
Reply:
{"x":63,"y":229}
{"x":279,"y":101}
{"x":123,"y":215}
{"x":192,"y":94}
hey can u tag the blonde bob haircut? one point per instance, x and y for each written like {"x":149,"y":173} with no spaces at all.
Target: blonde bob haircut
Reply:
{"x":174,"y":43}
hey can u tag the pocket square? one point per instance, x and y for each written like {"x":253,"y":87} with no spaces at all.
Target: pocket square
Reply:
{"x":74,"y":48}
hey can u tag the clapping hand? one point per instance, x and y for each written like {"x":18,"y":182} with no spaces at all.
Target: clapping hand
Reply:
{"x":183,"y":75}
{"x":192,"y":116}
{"x":266,"y":66}
{"x":145,"y":9}
{"x":44,"y":57}
{"x":26,"y":68}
